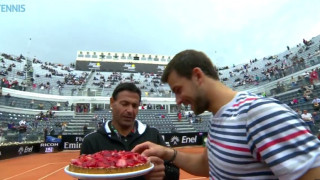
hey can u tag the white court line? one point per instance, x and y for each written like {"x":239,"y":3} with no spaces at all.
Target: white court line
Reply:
{"x":27,"y":171}
{"x":50,"y":174}
{"x":32,"y":170}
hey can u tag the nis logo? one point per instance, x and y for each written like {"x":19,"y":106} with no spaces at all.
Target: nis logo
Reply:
{"x":12,"y":8}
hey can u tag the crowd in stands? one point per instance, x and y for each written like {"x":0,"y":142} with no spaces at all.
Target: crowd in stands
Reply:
{"x":42,"y":83}
{"x":82,"y":108}
{"x":254,"y":73}
{"x":276,"y":67}
{"x":37,"y":83}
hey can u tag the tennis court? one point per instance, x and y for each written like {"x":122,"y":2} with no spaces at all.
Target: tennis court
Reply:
{"x":51,"y":166}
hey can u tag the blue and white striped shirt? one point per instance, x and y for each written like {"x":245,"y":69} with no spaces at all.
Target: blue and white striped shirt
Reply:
{"x":253,"y":137}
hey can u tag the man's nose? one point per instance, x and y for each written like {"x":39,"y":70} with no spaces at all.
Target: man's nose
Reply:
{"x":130,"y":109}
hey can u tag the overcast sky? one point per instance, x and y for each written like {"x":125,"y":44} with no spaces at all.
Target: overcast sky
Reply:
{"x":229,"y":32}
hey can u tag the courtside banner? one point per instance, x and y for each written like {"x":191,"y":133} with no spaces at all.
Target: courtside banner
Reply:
{"x":183,"y":139}
{"x":18,"y":150}
{"x":50,"y":147}
{"x":72,"y":142}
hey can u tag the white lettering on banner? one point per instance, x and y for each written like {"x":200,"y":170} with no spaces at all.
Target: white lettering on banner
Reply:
{"x":48,"y":144}
{"x":186,"y":139}
{"x":49,"y":149}
{"x":79,"y":139}
{"x":175,"y":140}
{"x":167,"y":144}
{"x":68,"y":145}
{"x":20,"y":150}
{"x":28,"y":149}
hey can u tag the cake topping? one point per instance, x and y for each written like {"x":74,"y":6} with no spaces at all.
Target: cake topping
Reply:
{"x":109,"y":159}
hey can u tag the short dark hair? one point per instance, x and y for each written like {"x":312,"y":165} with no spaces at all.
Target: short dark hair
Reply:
{"x":184,"y":62}
{"x":126,"y":87}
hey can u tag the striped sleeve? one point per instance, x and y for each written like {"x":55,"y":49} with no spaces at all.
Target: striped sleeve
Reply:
{"x":279,"y":138}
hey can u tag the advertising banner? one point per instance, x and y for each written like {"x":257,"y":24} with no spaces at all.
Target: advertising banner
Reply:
{"x":18,"y":150}
{"x":72,"y":142}
{"x":50,"y":147}
{"x":183,"y":139}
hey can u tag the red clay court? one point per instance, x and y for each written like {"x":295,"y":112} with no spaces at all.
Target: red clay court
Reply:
{"x":51,"y":166}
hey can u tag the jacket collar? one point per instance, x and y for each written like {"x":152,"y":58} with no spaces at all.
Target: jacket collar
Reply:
{"x":141,"y":127}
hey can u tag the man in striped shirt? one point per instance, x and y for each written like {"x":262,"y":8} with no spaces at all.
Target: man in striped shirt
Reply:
{"x":250,"y":136}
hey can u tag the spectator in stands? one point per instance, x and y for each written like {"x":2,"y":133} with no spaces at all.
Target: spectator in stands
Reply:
{"x":314,"y":76}
{"x":294,"y":101}
{"x":60,"y":90}
{"x":7,"y":98}
{"x":36,"y":122}
{"x":85,"y":108}
{"x":72,"y":106}
{"x":40,"y":106}
{"x":307,"y":117}
{"x":13,"y":103}
{"x":242,"y":123}
{"x":11,"y":126}
{"x":24,"y":86}
{"x":95,"y":118}
{"x":52,"y":131}
{"x":63,"y":127}
{"x":124,"y":132}
{"x":306,"y":96}
{"x":45,"y":133}
{"x":66,"y":104}
{"x":306,"y":76}
{"x":293,"y":82}
{"x":301,"y":90}
{"x":179,"y":116}
{"x":50,"y":114}
{"x":315,"y":104}
{"x":31,"y":103}
{"x":22,"y":129}
{"x":316,"y":117}
{"x":58,"y":106}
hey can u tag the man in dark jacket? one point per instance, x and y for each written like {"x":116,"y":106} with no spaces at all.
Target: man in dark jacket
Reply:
{"x":124,"y":132}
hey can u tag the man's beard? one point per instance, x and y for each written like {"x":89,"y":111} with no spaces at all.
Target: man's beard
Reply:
{"x":201,"y":104}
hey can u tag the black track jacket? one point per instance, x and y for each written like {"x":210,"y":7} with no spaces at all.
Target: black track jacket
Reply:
{"x":103,"y":139}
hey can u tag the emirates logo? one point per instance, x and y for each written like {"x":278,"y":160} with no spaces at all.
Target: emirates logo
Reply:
{"x":174,"y":140}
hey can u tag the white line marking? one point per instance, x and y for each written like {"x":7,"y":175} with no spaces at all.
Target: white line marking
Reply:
{"x":34,"y":169}
{"x":28,"y":171}
{"x":50,"y":174}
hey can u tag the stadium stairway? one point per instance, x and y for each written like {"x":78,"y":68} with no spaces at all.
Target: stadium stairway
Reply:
{"x":182,"y":126}
{"x":84,"y":85}
{"x":75,"y":126}
{"x":98,"y":92}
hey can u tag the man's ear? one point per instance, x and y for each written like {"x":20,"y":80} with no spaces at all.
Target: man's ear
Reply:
{"x":197,"y":75}
{"x":111,"y":101}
